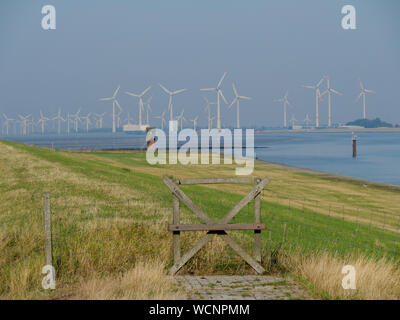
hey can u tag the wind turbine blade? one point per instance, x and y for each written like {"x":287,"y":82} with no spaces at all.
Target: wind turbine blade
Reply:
{"x":232,"y":103}
{"x":323,"y":93}
{"x":222,"y":79}
{"x":223,"y":97}
{"x":336,"y":92}
{"x":208,"y":89}
{"x":361,"y":84}
{"x":144,"y":92}
{"x":116,"y":91}
{"x":165,"y":89}
{"x":361,"y":93}
{"x":234,"y":89}
{"x":118,"y":105}
{"x":320,"y":81}
{"x":179,"y":91}
{"x":106,"y":99}
{"x":308,"y":87}
{"x":132,"y":94}
{"x":244,"y":97}
{"x":278,"y":100}
{"x":369,"y":91}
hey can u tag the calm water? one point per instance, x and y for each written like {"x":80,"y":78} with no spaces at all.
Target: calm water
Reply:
{"x":378,"y":152}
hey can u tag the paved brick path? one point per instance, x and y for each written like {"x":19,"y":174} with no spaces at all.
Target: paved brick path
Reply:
{"x":240,"y":287}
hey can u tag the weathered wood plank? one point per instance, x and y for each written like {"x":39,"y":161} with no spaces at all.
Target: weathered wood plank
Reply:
{"x":176,"y":234}
{"x":241,"y":252}
{"x":239,"y":206}
{"x":188,"y":255}
{"x":216,"y":227}
{"x":47,"y":229}
{"x":186,"y":200}
{"x":216,"y":180}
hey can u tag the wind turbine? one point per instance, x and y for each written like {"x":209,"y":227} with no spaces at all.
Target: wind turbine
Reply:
{"x":148,"y":109}
{"x":237,"y":100}
{"x":218,"y":90}
{"x":328,"y":91}
{"x":195,"y":122}
{"x":115,"y":103}
{"x":99,"y":120}
{"x":7,"y":122}
{"x":24,"y":123}
{"x":76,"y":119}
{"x":181,"y":118}
{"x":307,"y":120}
{"x":42,"y":120}
{"x":362,"y":93}
{"x":161,"y":117}
{"x":211,"y":121}
{"x":140,"y":96}
{"x":208,"y":108}
{"x":171,"y":94}
{"x":292,"y":120}
{"x":285,"y":104}
{"x":87,"y":121}
{"x":119,"y":117}
{"x":128,"y":118}
{"x":317,"y":98}
{"x":69,"y":118}
{"x":59,"y":119}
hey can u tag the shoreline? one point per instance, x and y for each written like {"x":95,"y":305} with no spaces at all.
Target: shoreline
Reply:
{"x":332,"y":130}
{"x":330,"y":176}
{"x":319,"y":173}
{"x":322,"y":174}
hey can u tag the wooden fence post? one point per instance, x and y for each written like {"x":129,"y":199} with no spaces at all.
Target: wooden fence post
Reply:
{"x":176,"y":234}
{"x":257,"y":219}
{"x":47,"y":229}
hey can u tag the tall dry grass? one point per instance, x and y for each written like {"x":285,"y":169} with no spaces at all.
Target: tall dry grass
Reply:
{"x":375,"y":279}
{"x":147,"y":280}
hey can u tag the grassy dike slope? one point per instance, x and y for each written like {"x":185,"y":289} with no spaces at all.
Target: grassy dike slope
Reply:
{"x":120,"y":248}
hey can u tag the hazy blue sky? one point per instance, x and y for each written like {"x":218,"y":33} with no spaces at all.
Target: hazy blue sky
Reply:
{"x":267,"y":47}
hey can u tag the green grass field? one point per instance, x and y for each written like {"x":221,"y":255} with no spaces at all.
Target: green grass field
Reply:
{"x":111,"y":210}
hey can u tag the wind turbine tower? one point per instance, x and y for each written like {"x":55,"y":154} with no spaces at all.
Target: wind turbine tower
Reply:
{"x":329,"y":91}
{"x":59,"y":118}
{"x":195,"y":122}
{"x":218,"y":90}
{"x":317,"y":98}
{"x":7,"y":122}
{"x":42,"y":120}
{"x":141,"y":107}
{"x":362,"y":93}
{"x":237,"y":100}
{"x":208,"y":108}
{"x":115,"y":103}
{"x":87,"y":121}
{"x":162,"y":119}
{"x":171,"y":94}
{"x":181,"y":118}
{"x":285,"y":104}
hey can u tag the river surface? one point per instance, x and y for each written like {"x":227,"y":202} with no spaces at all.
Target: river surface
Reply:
{"x":378,"y":156}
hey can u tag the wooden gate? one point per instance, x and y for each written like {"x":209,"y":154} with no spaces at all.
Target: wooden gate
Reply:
{"x":211,"y":226}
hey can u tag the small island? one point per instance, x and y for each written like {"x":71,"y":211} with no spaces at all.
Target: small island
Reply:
{"x":371,"y":123}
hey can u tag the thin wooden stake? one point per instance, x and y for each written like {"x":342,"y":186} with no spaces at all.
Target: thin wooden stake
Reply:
{"x":176,"y":234}
{"x":47,"y":229}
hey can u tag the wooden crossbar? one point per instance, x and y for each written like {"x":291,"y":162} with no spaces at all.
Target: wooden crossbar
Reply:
{"x":216,"y":227}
